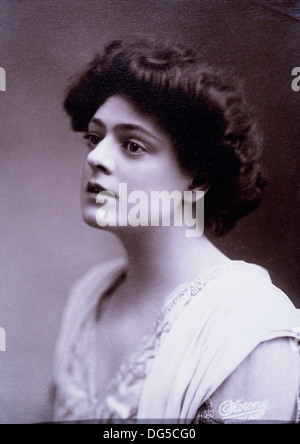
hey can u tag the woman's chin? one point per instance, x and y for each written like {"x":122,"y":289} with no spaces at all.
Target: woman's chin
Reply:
{"x":89,"y":217}
{"x":93,"y":220}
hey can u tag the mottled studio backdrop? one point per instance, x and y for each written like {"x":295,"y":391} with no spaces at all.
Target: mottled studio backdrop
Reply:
{"x":44,"y":244}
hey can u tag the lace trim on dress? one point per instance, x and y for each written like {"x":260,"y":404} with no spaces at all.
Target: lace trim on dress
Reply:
{"x":205,"y":414}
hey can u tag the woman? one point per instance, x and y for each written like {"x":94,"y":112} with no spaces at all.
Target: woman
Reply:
{"x":175,"y":331}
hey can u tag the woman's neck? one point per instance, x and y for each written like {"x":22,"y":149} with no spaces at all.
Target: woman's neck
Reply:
{"x":164,"y":257}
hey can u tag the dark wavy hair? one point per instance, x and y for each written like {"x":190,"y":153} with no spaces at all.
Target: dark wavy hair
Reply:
{"x":201,"y":108}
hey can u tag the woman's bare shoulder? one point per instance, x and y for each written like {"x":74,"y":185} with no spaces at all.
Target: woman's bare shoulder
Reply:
{"x":84,"y":296}
{"x":95,"y":279}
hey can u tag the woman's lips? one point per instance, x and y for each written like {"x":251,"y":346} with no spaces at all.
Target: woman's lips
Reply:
{"x":96,"y":188}
{"x":93,"y":187}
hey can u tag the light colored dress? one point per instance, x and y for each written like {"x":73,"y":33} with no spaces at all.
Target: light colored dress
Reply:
{"x":225,"y":347}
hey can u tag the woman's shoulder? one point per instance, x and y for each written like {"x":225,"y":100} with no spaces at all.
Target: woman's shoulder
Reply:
{"x":83,"y":298}
{"x":243,"y":280}
{"x":241,"y":296}
{"x":93,"y":282}
{"x":249,"y":289}
{"x":98,"y":273}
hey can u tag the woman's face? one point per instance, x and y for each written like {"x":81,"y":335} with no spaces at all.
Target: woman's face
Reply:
{"x":126,"y":146}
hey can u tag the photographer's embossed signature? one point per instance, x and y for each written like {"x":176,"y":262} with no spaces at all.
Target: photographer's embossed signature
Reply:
{"x":241,"y":409}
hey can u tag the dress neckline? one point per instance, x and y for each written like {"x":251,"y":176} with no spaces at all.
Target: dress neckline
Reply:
{"x":182,"y":294}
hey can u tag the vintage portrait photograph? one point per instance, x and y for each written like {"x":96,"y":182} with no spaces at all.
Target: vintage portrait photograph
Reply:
{"x":150,"y":213}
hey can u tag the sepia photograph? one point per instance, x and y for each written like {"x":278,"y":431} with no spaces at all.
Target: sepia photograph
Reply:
{"x":150,"y":212}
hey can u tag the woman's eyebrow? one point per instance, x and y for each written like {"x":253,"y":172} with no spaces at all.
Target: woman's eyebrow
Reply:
{"x":125,"y":127}
{"x":97,"y":122}
{"x":135,"y":127}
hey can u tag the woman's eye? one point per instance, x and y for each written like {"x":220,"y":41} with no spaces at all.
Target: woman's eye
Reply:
{"x":134,"y":148}
{"x":92,"y":140}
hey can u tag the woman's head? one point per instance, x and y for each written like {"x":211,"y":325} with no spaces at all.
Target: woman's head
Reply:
{"x":203,"y":111}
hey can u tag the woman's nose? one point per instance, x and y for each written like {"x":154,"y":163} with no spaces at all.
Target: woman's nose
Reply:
{"x":102,"y":156}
